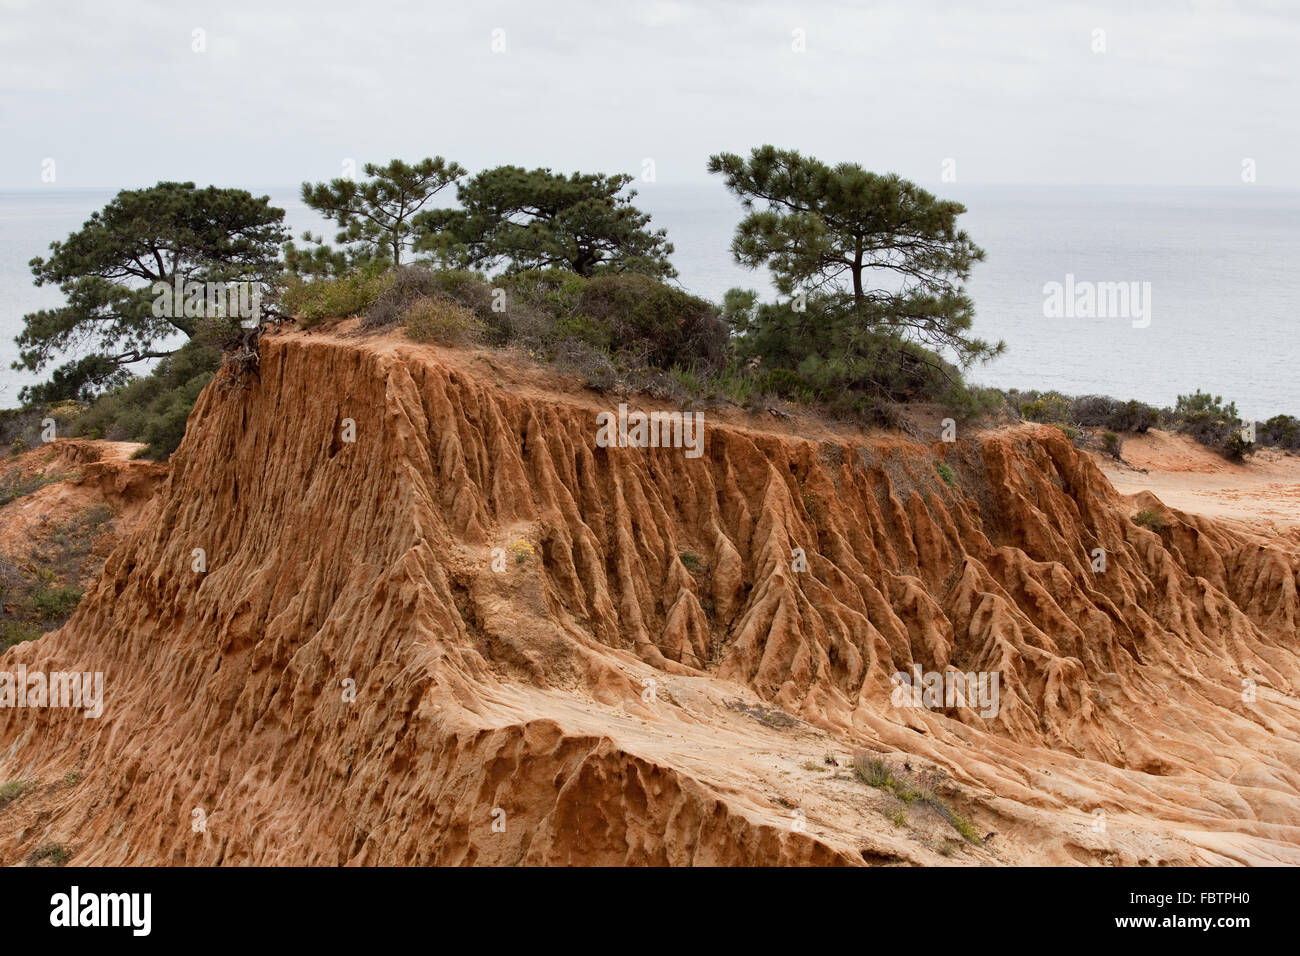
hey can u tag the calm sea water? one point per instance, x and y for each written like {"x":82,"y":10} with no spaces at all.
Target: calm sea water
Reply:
{"x":1221,"y":263}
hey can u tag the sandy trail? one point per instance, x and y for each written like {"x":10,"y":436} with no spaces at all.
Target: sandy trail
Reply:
{"x":1260,"y":496}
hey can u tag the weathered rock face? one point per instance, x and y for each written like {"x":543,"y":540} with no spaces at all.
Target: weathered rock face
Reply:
{"x":471,"y":635}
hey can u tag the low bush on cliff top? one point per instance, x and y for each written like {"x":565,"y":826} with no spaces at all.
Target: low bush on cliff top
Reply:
{"x":1280,"y":431}
{"x":340,"y":297}
{"x":1206,"y":419}
{"x":1085,"y":411}
{"x":827,"y":350}
{"x":1203,"y":417}
{"x":634,"y":321}
{"x":615,"y":325}
{"x":408,"y":286}
{"x":440,"y":321}
{"x":613,"y":330}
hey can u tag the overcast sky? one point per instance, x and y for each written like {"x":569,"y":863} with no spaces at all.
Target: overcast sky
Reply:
{"x":116,"y":94}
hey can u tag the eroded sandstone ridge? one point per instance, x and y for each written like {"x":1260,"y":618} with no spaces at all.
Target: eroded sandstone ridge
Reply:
{"x":645,"y":677}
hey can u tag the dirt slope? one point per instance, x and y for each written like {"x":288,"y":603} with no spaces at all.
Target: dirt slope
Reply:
{"x":1261,"y":495}
{"x":64,"y":507}
{"x":646,"y":677}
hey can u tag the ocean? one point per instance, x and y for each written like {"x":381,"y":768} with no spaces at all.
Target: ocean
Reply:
{"x":1212,"y":271}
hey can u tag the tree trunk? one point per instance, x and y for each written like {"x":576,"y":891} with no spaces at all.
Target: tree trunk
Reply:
{"x":857,"y":277}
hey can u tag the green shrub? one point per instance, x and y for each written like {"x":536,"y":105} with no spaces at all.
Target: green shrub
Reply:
{"x":947,"y":474}
{"x":967,"y":402}
{"x":55,"y":853}
{"x":1091,"y":411}
{"x":692,"y":561}
{"x":910,"y":788}
{"x":663,"y":324}
{"x":1068,"y":430}
{"x":1207,"y":420}
{"x":1150,"y":518}
{"x":874,"y":772}
{"x":341,"y":297}
{"x":17,"y":632}
{"x":1046,"y":409}
{"x":965,"y":828}
{"x":405,"y":287}
{"x":12,"y":790}
{"x":410,"y":284}
{"x":20,"y":428}
{"x":855,"y":357}
{"x":1236,"y":447}
{"x":52,"y":604}
{"x":154,"y":408}
{"x":583,"y":328}
{"x":1280,"y":431}
{"x":786,"y":383}
{"x":475,"y":293}
{"x":1110,"y":443}
{"x":15,"y":484}
{"x":440,"y":321}
{"x":1086,"y":411}
{"x":556,"y":292}
{"x":1133,"y":416}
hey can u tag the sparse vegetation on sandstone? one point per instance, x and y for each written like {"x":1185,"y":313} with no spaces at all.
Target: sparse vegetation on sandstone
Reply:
{"x":692,"y":561}
{"x":1151,"y":519}
{"x":15,"y":484}
{"x":910,"y":788}
{"x":40,"y":595}
{"x":11,"y":791}
{"x":56,"y":854}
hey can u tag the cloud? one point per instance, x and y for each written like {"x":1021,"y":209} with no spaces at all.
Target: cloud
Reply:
{"x":285,"y":92}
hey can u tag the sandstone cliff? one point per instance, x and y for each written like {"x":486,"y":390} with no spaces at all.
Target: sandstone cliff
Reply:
{"x":470,"y":635}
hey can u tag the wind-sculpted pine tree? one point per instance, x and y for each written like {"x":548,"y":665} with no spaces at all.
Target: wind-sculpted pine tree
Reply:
{"x":376,"y":218}
{"x":536,"y":219}
{"x":111,"y":270}
{"x":870,"y":268}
